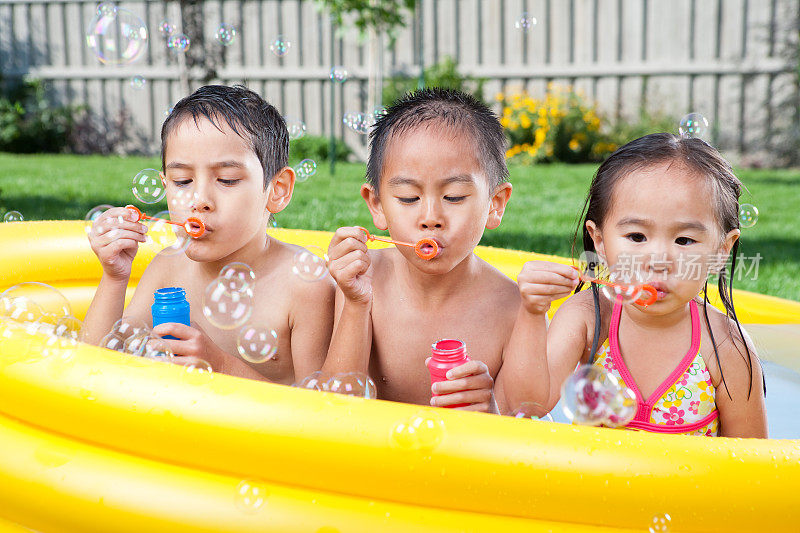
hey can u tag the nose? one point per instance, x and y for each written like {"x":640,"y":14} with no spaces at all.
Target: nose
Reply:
{"x":659,"y":262}
{"x":202,"y":201}
{"x":431,"y":216}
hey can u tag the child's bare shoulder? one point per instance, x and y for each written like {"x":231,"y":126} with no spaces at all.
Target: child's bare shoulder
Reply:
{"x":736,"y":350}
{"x":302,"y":272}
{"x":497,"y":287}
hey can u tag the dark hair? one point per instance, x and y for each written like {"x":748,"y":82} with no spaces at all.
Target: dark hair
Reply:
{"x":447,"y":107}
{"x":251,"y":117}
{"x":702,"y":159}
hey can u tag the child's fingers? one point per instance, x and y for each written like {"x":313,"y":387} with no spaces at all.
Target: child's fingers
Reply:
{"x":477,"y":396}
{"x":344,"y":247}
{"x":468,"y":369}
{"x":349,"y":232}
{"x":181,"y":331}
{"x":121,"y":234}
{"x":482,"y":381}
{"x":351,"y":265}
{"x":546,"y":277}
{"x":116,"y":247}
{"x":536,"y":289}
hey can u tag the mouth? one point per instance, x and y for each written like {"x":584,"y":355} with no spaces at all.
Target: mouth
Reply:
{"x":196,"y":228}
{"x":661,"y":289}
{"x":428,"y":248}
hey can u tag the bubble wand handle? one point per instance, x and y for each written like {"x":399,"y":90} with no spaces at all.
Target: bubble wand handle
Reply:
{"x":193,"y":226}
{"x":418,"y":247}
{"x":649,"y":293}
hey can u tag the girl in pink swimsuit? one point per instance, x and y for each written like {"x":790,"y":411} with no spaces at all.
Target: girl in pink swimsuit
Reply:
{"x":661,"y":210}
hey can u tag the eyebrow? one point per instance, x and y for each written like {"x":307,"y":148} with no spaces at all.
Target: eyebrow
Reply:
{"x":219,"y":164}
{"x":403,"y":180}
{"x":646,"y":222}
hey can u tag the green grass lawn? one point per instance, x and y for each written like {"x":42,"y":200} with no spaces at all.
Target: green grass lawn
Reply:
{"x":541,"y":217}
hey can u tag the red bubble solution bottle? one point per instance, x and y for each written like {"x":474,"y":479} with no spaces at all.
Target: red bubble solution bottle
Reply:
{"x":446,"y":354}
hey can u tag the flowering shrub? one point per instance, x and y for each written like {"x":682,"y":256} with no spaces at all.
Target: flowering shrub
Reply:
{"x":560,"y":127}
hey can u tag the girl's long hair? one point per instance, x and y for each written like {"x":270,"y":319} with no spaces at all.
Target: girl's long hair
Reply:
{"x":700,"y":158}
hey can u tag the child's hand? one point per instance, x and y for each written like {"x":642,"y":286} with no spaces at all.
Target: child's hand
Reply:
{"x":192,"y":342}
{"x":115,"y":238}
{"x":542,"y":282}
{"x":469,"y":383}
{"x":349,"y":264}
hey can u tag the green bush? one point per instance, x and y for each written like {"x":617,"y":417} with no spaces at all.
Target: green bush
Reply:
{"x":624,"y":131}
{"x":443,"y":74}
{"x":28,"y":123}
{"x":317,"y":148}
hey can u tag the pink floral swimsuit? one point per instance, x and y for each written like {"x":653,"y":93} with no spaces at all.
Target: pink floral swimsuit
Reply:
{"x":685,"y":401}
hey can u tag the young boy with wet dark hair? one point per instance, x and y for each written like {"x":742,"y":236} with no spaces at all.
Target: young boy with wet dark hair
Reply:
{"x":224,"y":155}
{"x":436,"y":171}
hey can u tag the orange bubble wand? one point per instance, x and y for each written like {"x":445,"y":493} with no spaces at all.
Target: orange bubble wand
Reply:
{"x":434,"y":251}
{"x":650,"y":291}
{"x":193,"y":225}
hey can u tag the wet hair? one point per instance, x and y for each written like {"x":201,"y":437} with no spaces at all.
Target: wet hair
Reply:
{"x":701,"y":159}
{"x":448,"y":108}
{"x":251,"y":117}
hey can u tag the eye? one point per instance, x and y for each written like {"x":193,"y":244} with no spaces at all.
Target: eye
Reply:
{"x":229,"y":182}
{"x":454,"y":199}
{"x":181,"y":183}
{"x":684,"y":241}
{"x":636,"y":237}
{"x":408,"y":199}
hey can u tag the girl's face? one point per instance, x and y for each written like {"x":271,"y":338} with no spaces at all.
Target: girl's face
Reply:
{"x":661,"y":223}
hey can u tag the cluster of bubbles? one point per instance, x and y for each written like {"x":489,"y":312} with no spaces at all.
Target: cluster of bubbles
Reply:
{"x":305,"y":169}
{"x":627,"y":281}
{"x":748,"y":215}
{"x":179,"y":43}
{"x":310,"y":264}
{"x":362,"y":122}
{"x":225,"y":34}
{"x":422,"y":432}
{"x":34,"y":307}
{"x":347,"y":383}
{"x":532,"y":411}
{"x":693,"y":126}
{"x":13,"y":216}
{"x":280,"y":46}
{"x":166,"y":28}
{"x":132,"y":336}
{"x":525,"y":22}
{"x":295,"y":127}
{"x":591,"y":396}
{"x":115,"y":35}
{"x":338,"y":74}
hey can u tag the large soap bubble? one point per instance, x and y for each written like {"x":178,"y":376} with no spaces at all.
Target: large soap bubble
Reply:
{"x":116,"y":36}
{"x":32,"y":301}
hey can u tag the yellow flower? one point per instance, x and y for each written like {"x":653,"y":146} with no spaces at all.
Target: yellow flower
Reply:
{"x":524,"y":121}
{"x":539,"y":136}
{"x":509,"y":153}
{"x":504,"y":121}
{"x":574,"y":145}
{"x":499,"y":97}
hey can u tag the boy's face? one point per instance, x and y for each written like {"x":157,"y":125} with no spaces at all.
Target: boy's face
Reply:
{"x":433,"y":185}
{"x":215,"y":176}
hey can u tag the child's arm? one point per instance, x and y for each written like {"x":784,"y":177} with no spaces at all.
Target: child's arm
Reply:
{"x":311,"y":323}
{"x":114,"y":238}
{"x":351,"y":342}
{"x":740,"y":398}
{"x":524,"y":376}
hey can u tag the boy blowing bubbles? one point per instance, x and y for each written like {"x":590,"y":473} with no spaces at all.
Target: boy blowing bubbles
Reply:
{"x":225,"y":150}
{"x":436,"y":170}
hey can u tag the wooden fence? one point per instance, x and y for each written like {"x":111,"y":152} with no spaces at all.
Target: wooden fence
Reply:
{"x":731,"y":60}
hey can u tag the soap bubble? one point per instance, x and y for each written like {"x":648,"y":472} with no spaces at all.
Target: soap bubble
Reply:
{"x":116,"y":36}
{"x":627,"y":282}
{"x":660,"y":523}
{"x":179,"y":43}
{"x":314,"y":381}
{"x":585,"y":395}
{"x":193,"y":365}
{"x":166,"y":28}
{"x":147,"y":186}
{"x":531,"y":411}
{"x":95,"y":212}
{"x":69,"y":326}
{"x":226,"y":309}
{"x":237,"y":276}
{"x":525,"y":22}
{"x":305,"y":169}
{"x":280,"y":46}
{"x":113,"y":341}
{"x":165,"y":238}
{"x":257,"y":344}
{"x":13,"y":216}
{"x":358,"y":122}
{"x":310,"y":264}
{"x":168,"y":111}
{"x":134,"y":344}
{"x":250,"y":496}
{"x":127,"y":326}
{"x":748,"y":215}
{"x":422,"y":432}
{"x":693,"y":125}
{"x":295,"y":127}
{"x":138,"y":82}
{"x":353,"y":384}
{"x":156,"y":348}
{"x":61,"y":347}
{"x":338,"y":74}
{"x":225,"y":34}
{"x":39,"y":299}
{"x":621,"y":404}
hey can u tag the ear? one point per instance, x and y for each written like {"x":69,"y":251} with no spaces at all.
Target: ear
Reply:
{"x":497,"y":205}
{"x":280,"y":189}
{"x":724,"y":251}
{"x":370,"y":195}
{"x":597,"y":238}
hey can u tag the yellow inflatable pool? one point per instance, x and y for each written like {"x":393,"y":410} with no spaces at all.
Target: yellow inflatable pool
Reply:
{"x":104,"y":442}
